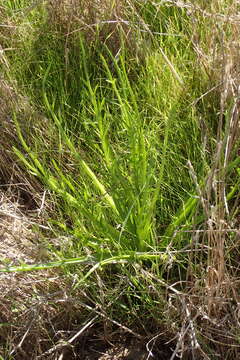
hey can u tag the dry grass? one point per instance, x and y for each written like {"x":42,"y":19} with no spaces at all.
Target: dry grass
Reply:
{"x":42,"y":317}
{"x":26,"y":188}
{"x":104,"y":22}
{"x":22,"y":295}
{"x":213,"y":303}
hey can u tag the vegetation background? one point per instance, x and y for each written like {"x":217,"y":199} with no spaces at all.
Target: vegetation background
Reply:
{"x":119,"y":172}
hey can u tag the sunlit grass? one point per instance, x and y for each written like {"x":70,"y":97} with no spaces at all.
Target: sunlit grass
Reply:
{"x":133,"y":140}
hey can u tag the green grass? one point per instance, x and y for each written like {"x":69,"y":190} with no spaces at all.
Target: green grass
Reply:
{"x":126,"y":144}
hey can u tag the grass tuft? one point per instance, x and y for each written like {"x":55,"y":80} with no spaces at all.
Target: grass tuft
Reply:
{"x":120,"y":145}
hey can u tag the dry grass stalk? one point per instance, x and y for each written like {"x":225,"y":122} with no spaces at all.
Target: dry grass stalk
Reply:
{"x":218,"y":53}
{"x":28,"y":188}
{"x":95,"y":20}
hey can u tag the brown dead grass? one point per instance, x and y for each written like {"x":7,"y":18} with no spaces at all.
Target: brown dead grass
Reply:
{"x":105,"y":23}
{"x":42,"y":318}
{"x":24,"y":187}
{"x":23,"y":295}
{"x":34,"y":306}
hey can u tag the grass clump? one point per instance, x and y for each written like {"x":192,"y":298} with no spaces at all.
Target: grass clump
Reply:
{"x":122,"y":123}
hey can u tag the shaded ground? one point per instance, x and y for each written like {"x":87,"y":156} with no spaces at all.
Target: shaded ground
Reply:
{"x":129,"y":352}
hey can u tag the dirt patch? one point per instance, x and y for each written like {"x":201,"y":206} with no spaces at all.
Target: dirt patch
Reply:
{"x":118,"y":352}
{"x":134,"y":351}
